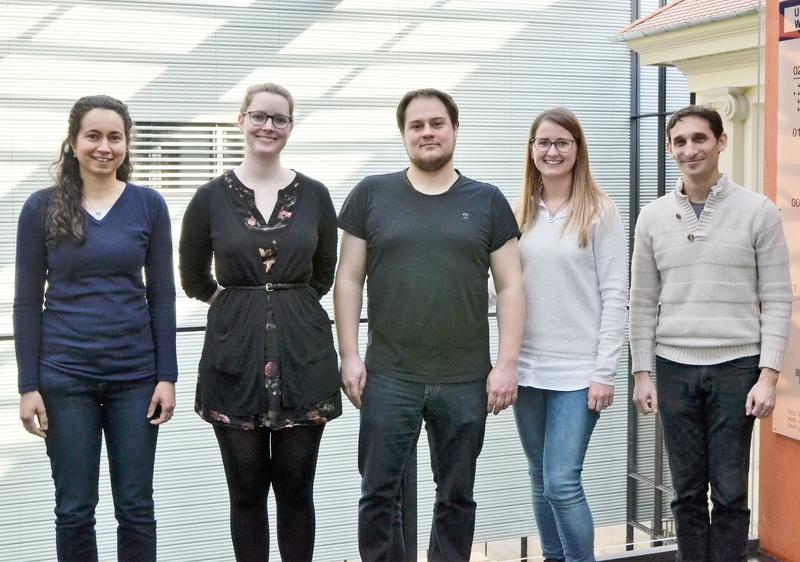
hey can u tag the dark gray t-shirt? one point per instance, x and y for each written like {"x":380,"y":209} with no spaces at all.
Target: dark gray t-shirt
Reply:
{"x":698,"y":207}
{"x":427,"y":268}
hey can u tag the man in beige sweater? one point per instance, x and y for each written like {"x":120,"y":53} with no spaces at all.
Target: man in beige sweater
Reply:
{"x":711,"y":303}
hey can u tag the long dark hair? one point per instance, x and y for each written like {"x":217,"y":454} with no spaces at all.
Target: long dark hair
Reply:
{"x":65,"y":218}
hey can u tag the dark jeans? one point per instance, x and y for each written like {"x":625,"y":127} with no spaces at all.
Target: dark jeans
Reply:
{"x":391,"y":418}
{"x":79,"y":412}
{"x":708,"y":442}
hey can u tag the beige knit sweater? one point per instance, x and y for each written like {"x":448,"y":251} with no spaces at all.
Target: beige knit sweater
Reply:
{"x":710,"y":290}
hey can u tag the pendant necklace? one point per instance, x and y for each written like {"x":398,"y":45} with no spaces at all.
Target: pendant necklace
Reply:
{"x":100,"y":213}
{"x":96,"y":213}
{"x":554,"y":215}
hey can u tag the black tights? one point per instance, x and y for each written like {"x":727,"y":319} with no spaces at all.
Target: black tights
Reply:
{"x":286,"y":459}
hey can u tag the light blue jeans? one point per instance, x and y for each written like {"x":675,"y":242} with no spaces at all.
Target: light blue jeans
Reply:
{"x":555,"y":427}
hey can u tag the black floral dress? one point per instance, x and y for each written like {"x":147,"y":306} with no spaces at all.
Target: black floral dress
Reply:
{"x":294,"y":249}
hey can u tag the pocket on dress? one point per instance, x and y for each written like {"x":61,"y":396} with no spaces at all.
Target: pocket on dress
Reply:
{"x":226,"y":354}
{"x":230,"y":380}
{"x":309,"y":367}
{"x":228,"y":341}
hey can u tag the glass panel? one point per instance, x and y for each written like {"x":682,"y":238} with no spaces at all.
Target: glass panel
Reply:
{"x":648,"y":96}
{"x":677,"y":89}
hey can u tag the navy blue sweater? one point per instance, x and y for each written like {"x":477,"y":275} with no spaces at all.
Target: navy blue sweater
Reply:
{"x":100,"y":319}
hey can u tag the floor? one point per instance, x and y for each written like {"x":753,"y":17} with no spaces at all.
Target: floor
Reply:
{"x":609,"y":541}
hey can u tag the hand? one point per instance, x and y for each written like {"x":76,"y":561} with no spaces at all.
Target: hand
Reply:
{"x":644,"y":394}
{"x":163,"y":399}
{"x":601,"y":396}
{"x":501,"y":387}
{"x":31,"y":408}
{"x":761,"y":398}
{"x":354,"y":378}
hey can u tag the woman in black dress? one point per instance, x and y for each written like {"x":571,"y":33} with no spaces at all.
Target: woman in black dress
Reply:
{"x":268,"y":378}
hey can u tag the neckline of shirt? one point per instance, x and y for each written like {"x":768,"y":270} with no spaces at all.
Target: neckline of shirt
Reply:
{"x":450,"y":189}
{"x":562,"y":213}
{"x":103,"y":213}
{"x":295,"y":181}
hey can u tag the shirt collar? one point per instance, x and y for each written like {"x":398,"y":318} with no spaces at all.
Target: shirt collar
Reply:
{"x":719,"y":189}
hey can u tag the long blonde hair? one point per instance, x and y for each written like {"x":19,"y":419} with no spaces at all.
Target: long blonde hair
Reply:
{"x":587,"y":199}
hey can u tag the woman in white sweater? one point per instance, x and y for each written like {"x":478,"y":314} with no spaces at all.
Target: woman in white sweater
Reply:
{"x":574,"y":261}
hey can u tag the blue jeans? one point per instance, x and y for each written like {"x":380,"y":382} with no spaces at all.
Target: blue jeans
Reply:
{"x":79,"y":411}
{"x":555,"y":427}
{"x":707,"y":435}
{"x":391,"y":417}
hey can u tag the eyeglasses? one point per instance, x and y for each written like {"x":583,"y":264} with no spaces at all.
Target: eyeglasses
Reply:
{"x":543,"y":145}
{"x":259,"y":118}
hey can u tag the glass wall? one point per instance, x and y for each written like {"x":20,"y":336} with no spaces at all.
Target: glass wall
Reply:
{"x":182,"y":67}
{"x":657,"y":93}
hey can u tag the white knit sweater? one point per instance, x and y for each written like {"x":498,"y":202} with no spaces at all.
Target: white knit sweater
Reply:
{"x":575,"y":302}
{"x":708,"y":290}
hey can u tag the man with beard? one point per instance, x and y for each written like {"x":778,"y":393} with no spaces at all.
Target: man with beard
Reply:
{"x":424,"y":240}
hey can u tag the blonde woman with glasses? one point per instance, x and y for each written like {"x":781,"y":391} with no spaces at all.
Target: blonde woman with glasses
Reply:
{"x":268,"y":378}
{"x":574,"y":262}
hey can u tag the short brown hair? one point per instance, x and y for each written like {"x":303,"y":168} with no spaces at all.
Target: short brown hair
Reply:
{"x":709,"y":114}
{"x":270,"y":88}
{"x":445,"y":98}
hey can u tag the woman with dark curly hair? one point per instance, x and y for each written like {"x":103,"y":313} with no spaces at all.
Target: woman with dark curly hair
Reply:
{"x":95,"y":339}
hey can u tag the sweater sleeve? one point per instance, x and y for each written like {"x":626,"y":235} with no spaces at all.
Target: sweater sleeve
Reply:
{"x":645,"y":290}
{"x":159,"y":273}
{"x":774,"y":287}
{"x":611,"y":264}
{"x":30,"y":275}
{"x":195,"y":250}
{"x":324,"y":260}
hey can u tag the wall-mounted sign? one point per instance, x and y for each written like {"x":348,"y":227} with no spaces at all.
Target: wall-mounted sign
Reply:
{"x":791,"y":18}
{"x":786,"y":419}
